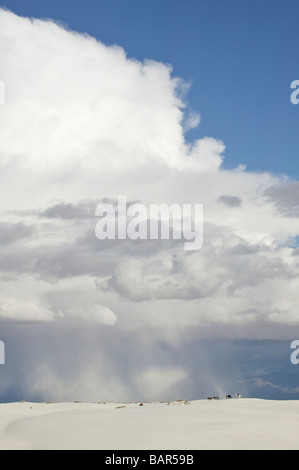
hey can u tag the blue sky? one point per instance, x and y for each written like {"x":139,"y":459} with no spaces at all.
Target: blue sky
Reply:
{"x":240,"y":56}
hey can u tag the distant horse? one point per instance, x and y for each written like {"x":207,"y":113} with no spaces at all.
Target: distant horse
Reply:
{"x":215,"y":398}
{"x":228,"y":397}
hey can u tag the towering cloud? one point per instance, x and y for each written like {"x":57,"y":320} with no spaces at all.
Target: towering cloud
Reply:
{"x":84,"y":124}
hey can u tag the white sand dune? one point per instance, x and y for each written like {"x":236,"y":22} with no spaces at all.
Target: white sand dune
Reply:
{"x":231,"y":424}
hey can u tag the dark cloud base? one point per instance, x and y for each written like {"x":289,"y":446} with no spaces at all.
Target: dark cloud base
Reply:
{"x":47,"y":363}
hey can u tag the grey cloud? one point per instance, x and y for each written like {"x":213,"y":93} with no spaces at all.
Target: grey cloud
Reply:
{"x":79,"y":210}
{"x":58,"y":262}
{"x":285,"y":198}
{"x":253,"y":271}
{"x":68,"y":211}
{"x":13,"y":232}
{"x":145,"y":269}
{"x":231,"y":201}
{"x":242,"y":249}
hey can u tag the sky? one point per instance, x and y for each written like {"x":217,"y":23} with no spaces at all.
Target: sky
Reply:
{"x":163,"y":102}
